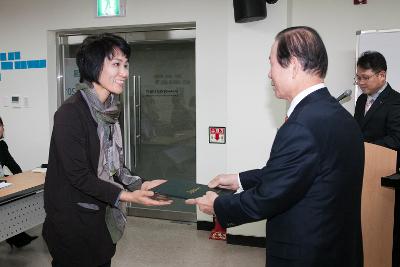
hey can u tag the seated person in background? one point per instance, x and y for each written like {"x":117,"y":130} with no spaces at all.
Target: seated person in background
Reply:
{"x":6,"y":159}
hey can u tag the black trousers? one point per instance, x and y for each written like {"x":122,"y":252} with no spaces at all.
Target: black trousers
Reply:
{"x":55,"y":263}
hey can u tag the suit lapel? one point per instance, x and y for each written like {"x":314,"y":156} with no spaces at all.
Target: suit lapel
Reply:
{"x":379,"y":102}
{"x":360,"y":107}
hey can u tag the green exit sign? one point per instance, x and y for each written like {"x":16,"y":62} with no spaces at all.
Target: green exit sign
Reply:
{"x":111,"y":8}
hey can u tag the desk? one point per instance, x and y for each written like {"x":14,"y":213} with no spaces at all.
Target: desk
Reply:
{"x":21,"y":204}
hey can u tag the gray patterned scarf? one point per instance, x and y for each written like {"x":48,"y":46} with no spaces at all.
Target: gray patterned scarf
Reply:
{"x":111,"y":160}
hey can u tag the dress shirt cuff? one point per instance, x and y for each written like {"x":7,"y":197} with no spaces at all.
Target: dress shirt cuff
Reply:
{"x":240,"y":189}
{"x":117,"y":201}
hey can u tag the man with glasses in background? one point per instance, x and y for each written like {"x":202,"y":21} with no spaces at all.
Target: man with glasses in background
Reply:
{"x":378,"y":114}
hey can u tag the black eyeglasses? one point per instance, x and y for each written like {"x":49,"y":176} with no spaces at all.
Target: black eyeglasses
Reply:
{"x":364,"y":78}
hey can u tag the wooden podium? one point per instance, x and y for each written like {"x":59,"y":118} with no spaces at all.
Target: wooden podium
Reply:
{"x":377,"y":205}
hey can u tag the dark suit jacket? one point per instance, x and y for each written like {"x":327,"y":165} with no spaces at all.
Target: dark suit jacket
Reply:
{"x":381,"y":124}
{"x":309,"y":191}
{"x":76,"y":236}
{"x":7,"y":160}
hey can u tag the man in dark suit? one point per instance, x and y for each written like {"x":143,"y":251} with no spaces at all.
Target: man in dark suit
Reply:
{"x":310,"y":189}
{"x":378,"y":114}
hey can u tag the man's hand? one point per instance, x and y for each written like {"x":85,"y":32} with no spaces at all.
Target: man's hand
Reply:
{"x":205,"y":203}
{"x":227,"y":181}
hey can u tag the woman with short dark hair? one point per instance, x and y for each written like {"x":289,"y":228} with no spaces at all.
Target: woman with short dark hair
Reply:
{"x":87,"y":183}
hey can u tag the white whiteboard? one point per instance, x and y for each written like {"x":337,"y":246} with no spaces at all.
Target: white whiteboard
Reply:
{"x":386,"y":42}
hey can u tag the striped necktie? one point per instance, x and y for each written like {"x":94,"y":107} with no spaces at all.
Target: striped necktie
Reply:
{"x":368,"y":105}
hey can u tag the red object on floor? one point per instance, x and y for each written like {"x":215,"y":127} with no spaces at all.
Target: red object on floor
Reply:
{"x":218,"y":232}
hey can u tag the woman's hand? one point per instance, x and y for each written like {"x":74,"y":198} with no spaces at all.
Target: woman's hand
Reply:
{"x":144,"y":196}
{"x":151,"y":184}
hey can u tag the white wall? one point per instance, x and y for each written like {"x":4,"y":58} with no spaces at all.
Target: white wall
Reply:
{"x":338,"y":21}
{"x":237,"y":85}
{"x":254,"y":114}
{"x":29,"y":27}
{"x":231,"y":68}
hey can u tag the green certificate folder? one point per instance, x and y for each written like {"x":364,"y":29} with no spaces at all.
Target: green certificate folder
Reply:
{"x":185,"y":190}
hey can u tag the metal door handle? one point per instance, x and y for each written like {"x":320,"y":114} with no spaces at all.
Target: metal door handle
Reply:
{"x":127,"y":130}
{"x":139,"y":115}
{"x":134,"y":124}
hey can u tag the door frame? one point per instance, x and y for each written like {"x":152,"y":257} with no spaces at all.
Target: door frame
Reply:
{"x":75,"y":35}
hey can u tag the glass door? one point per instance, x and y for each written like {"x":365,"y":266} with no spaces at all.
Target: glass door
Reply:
{"x":68,"y":73}
{"x":160,"y":116}
{"x":159,"y":106}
